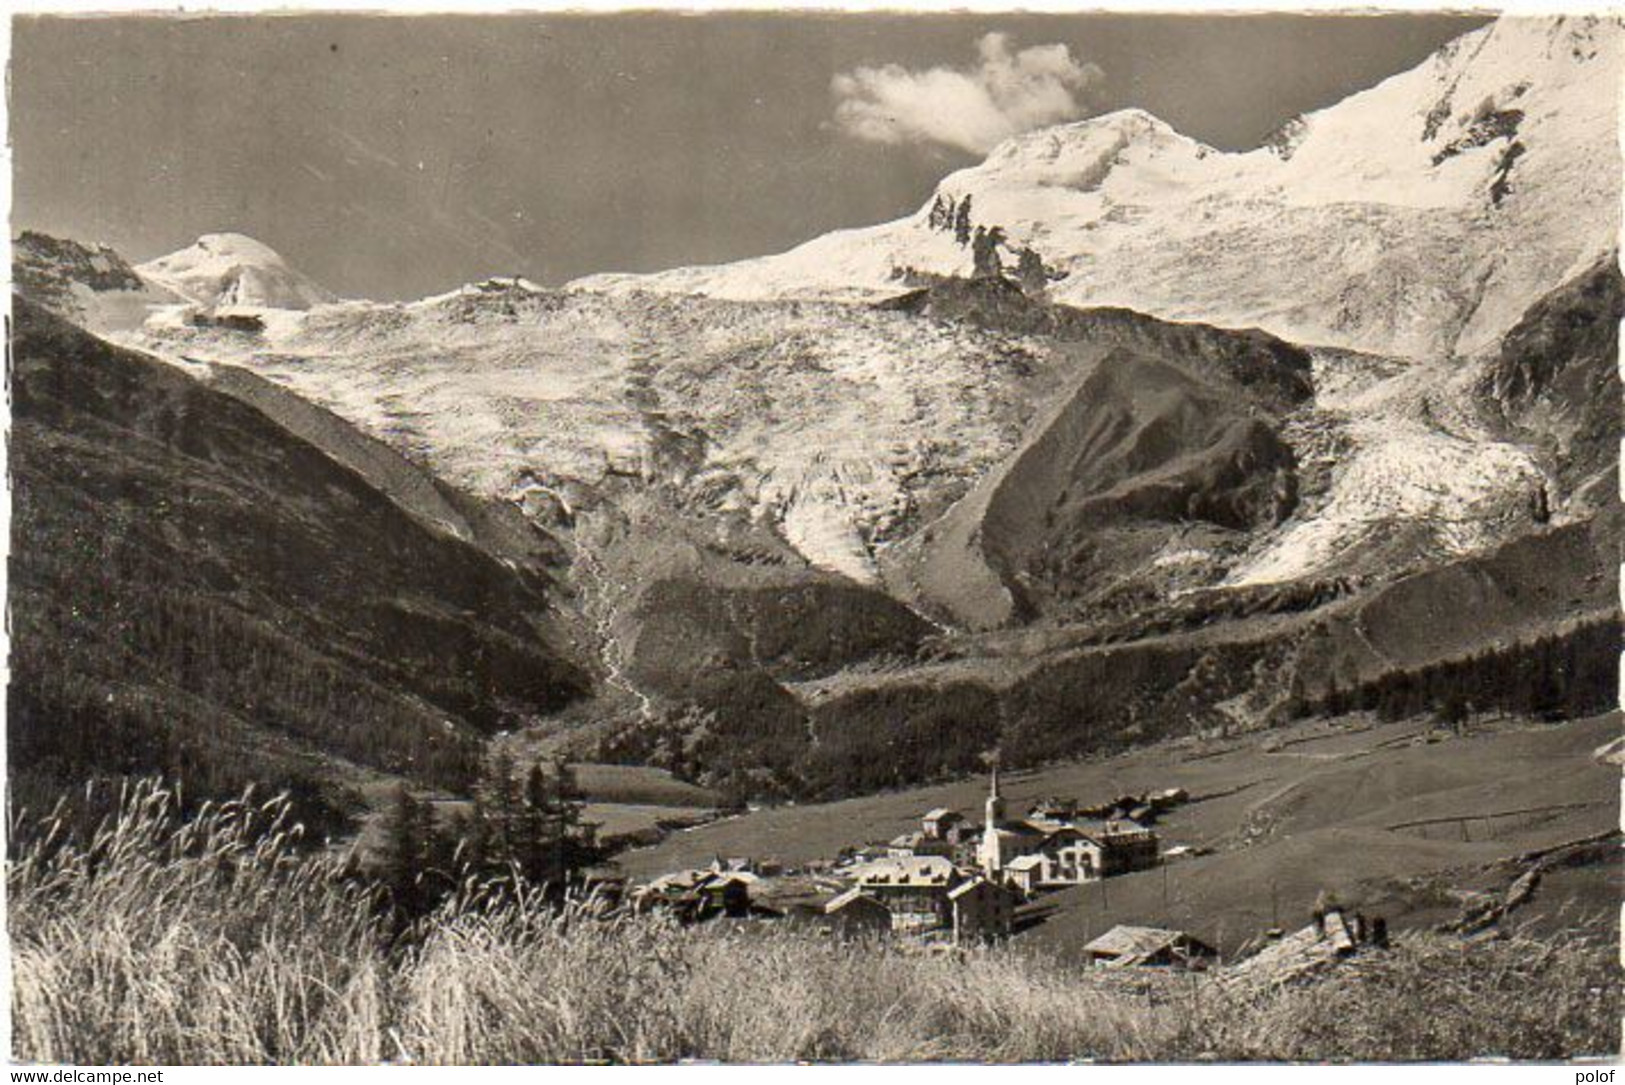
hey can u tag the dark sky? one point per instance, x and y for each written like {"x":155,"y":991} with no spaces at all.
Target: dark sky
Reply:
{"x":394,"y":157}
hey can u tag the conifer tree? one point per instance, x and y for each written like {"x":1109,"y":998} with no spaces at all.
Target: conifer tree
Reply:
{"x":404,"y":854}
{"x":503,"y":807}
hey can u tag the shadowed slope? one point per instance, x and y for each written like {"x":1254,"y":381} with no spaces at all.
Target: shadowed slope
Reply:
{"x":194,"y":588}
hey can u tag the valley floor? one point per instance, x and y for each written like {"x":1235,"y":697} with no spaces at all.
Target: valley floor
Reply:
{"x":1400,"y":819}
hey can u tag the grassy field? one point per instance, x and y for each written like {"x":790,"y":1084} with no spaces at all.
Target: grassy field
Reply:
{"x":628,"y":800}
{"x":1321,"y":805}
{"x":639,"y":785}
{"x":219,"y":942}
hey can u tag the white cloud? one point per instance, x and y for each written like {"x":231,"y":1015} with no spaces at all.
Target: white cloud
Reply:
{"x":1004,"y":94}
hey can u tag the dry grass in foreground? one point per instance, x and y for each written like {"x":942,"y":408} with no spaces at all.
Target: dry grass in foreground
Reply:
{"x":217,"y":942}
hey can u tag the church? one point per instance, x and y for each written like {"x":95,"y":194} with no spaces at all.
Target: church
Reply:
{"x":1041,"y":853}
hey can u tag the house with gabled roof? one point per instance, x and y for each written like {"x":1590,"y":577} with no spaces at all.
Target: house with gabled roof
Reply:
{"x":943,"y":824}
{"x":915,"y":889}
{"x":1128,"y":946}
{"x":918,"y":843}
{"x":856,"y":913}
{"x":1026,"y":873}
{"x":980,"y":911}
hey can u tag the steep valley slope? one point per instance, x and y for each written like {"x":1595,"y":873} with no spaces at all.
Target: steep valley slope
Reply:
{"x":195,"y":589}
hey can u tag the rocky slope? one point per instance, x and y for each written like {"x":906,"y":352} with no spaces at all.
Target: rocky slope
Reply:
{"x":755,"y":495}
{"x":1555,"y":381}
{"x":93,"y":286}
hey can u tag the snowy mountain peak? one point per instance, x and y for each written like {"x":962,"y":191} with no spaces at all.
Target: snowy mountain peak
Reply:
{"x":235,"y":246}
{"x":235,"y":271}
{"x":1052,"y":143}
{"x":1079,"y":155}
{"x":1416,"y":218}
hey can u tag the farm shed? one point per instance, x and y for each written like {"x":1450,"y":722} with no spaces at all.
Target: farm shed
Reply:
{"x":1126,"y":946}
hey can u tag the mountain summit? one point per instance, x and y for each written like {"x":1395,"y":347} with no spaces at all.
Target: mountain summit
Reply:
{"x":1413,"y":219}
{"x":233,"y":270}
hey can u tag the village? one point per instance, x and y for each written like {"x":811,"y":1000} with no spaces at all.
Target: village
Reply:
{"x":957,"y":882}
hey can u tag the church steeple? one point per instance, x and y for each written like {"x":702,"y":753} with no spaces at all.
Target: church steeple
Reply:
{"x":991,"y":850}
{"x":995,"y":801}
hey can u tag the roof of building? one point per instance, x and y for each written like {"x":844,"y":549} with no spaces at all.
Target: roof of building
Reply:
{"x":1288,"y":957}
{"x":853,"y":896}
{"x":942,"y":812}
{"x":1129,"y":944}
{"x":1122,"y":838}
{"x":1025,"y":862}
{"x":679,"y":879}
{"x":1112,"y":833}
{"x":1018,"y":828}
{"x":794,"y":890}
{"x":972,"y":886}
{"x":918,"y":870}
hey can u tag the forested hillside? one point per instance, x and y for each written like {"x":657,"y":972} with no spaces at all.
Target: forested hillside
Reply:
{"x":195,"y":591}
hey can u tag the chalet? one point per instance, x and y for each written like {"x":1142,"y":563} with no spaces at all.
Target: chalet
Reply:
{"x":1124,"y":848}
{"x":1054,"y":809}
{"x":980,"y":911}
{"x":1326,"y":942}
{"x":855,"y":913}
{"x":1344,"y":935}
{"x":677,"y":881}
{"x":1071,"y":857}
{"x":799,"y":895}
{"x":909,"y":844}
{"x":915,"y":890}
{"x":1064,"y":856}
{"x":725,"y":894}
{"x":1168,"y":798}
{"x":943,"y":824}
{"x":1025,"y":873}
{"x":1126,"y":947}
